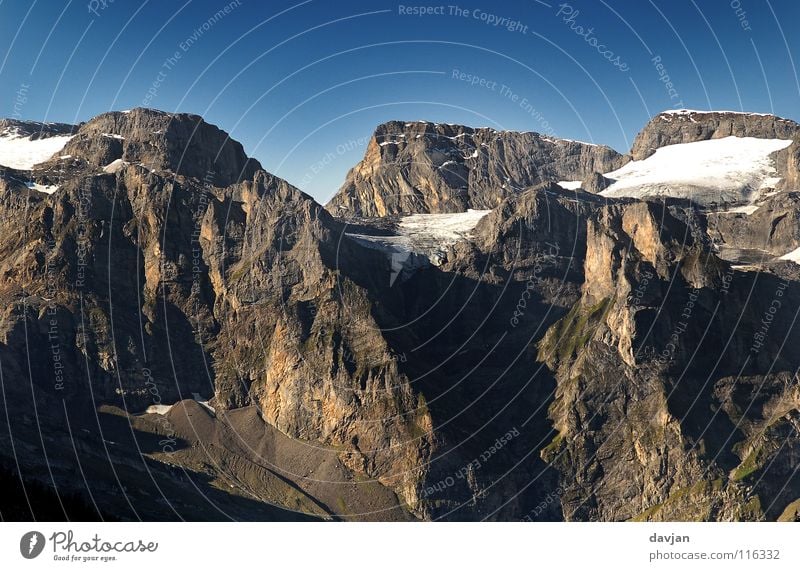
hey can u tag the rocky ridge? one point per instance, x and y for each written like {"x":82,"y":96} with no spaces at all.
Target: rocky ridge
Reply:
{"x":435,"y":168}
{"x":578,"y":357}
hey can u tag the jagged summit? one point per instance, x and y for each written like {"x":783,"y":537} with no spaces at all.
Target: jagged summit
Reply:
{"x":172,"y":144}
{"x":178,"y":142}
{"x":422,"y":167}
{"x":688,"y":126}
{"x":336,"y":366}
{"x":34,"y":129}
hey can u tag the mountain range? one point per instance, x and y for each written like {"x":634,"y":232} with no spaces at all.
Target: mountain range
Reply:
{"x":480,"y":325}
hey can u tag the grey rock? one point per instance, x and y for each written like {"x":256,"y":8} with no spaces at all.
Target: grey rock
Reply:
{"x":177,"y":143}
{"x":672,"y":128}
{"x":35,"y":130}
{"x":429,"y":168}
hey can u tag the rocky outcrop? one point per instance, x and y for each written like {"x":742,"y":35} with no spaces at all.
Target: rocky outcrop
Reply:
{"x":656,"y":367}
{"x":773,"y":227}
{"x":138,"y":288}
{"x":573,"y":357}
{"x":429,"y":168}
{"x":792,"y":172}
{"x":177,"y":143}
{"x":34,"y":130}
{"x":685,"y":126}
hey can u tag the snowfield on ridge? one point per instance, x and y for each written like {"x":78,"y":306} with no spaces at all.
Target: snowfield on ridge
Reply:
{"x":731,"y":170}
{"x":22,"y":153}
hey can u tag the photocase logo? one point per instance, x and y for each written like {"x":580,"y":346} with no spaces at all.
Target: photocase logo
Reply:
{"x":31,"y":544}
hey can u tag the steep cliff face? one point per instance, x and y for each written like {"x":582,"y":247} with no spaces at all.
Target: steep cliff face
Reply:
{"x":772,"y":228}
{"x":297,"y":336}
{"x":655,"y":407}
{"x":686,"y":126}
{"x":138,"y":288}
{"x":427,"y":168}
{"x":571,"y":356}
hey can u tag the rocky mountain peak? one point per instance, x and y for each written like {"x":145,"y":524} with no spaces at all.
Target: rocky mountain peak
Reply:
{"x":424,"y":167}
{"x":34,"y":130}
{"x":560,"y":324}
{"x":688,"y":126}
{"x":181,"y":143}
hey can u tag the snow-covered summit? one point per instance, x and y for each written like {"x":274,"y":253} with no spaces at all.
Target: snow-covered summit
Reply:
{"x":24,"y":144}
{"x":700,"y":111}
{"x":730,"y":170}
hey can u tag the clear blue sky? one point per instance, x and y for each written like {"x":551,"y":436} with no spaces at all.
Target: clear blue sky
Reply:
{"x":303,"y":84}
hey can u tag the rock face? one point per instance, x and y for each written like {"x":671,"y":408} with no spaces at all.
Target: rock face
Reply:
{"x":428,"y":168}
{"x":35,"y":130}
{"x":773,"y":227}
{"x":655,"y":372}
{"x":177,"y":142}
{"x":153,"y":287}
{"x":685,"y":126}
{"x":574,"y":357}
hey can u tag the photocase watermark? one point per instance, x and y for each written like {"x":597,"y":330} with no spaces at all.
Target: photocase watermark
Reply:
{"x":82,"y":236}
{"x":566,"y":12}
{"x":508,"y":94}
{"x":543,"y":505}
{"x":97,"y":6}
{"x":67,"y":548}
{"x":329,"y":157}
{"x":760,"y":336}
{"x":493,"y":20}
{"x":197,"y":250}
{"x":669,"y":85}
{"x":668,"y":352}
{"x":488,"y":18}
{"x":641,"y":289}
{"x":727,"y":280}
{"x":533,"y":281}
{"x":32,"y":544}
{"x":467,"y":471}
{"x":20,"y":99}
{"x":168,"y":443}
{"x":183,"y":47}
{"x":569,"y":16}
{"x":741,"y":15}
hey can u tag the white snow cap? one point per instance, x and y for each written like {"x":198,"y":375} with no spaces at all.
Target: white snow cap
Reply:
{"x":570,"y":184}
{"x":728,"y":170}
{"x":21,"y":153}
{"x":693,"y":111}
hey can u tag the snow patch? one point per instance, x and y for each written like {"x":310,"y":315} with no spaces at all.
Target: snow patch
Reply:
{"x":728,"y":170}
{"x":746,"y":209}
{"x":203,"y":403}
{"x":570,"y":184}
{"x":158,"y":409}
{"x":22,"y":153}
{"x":694,"y":111}
{"x":446,"y":229}
{"x":423,"y":238}
{"x":793,"y":256}
{"x":115,"y":166}
{"x":165,"y":408}
{"x":114,"y":136}
{"x":46,"y":188}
